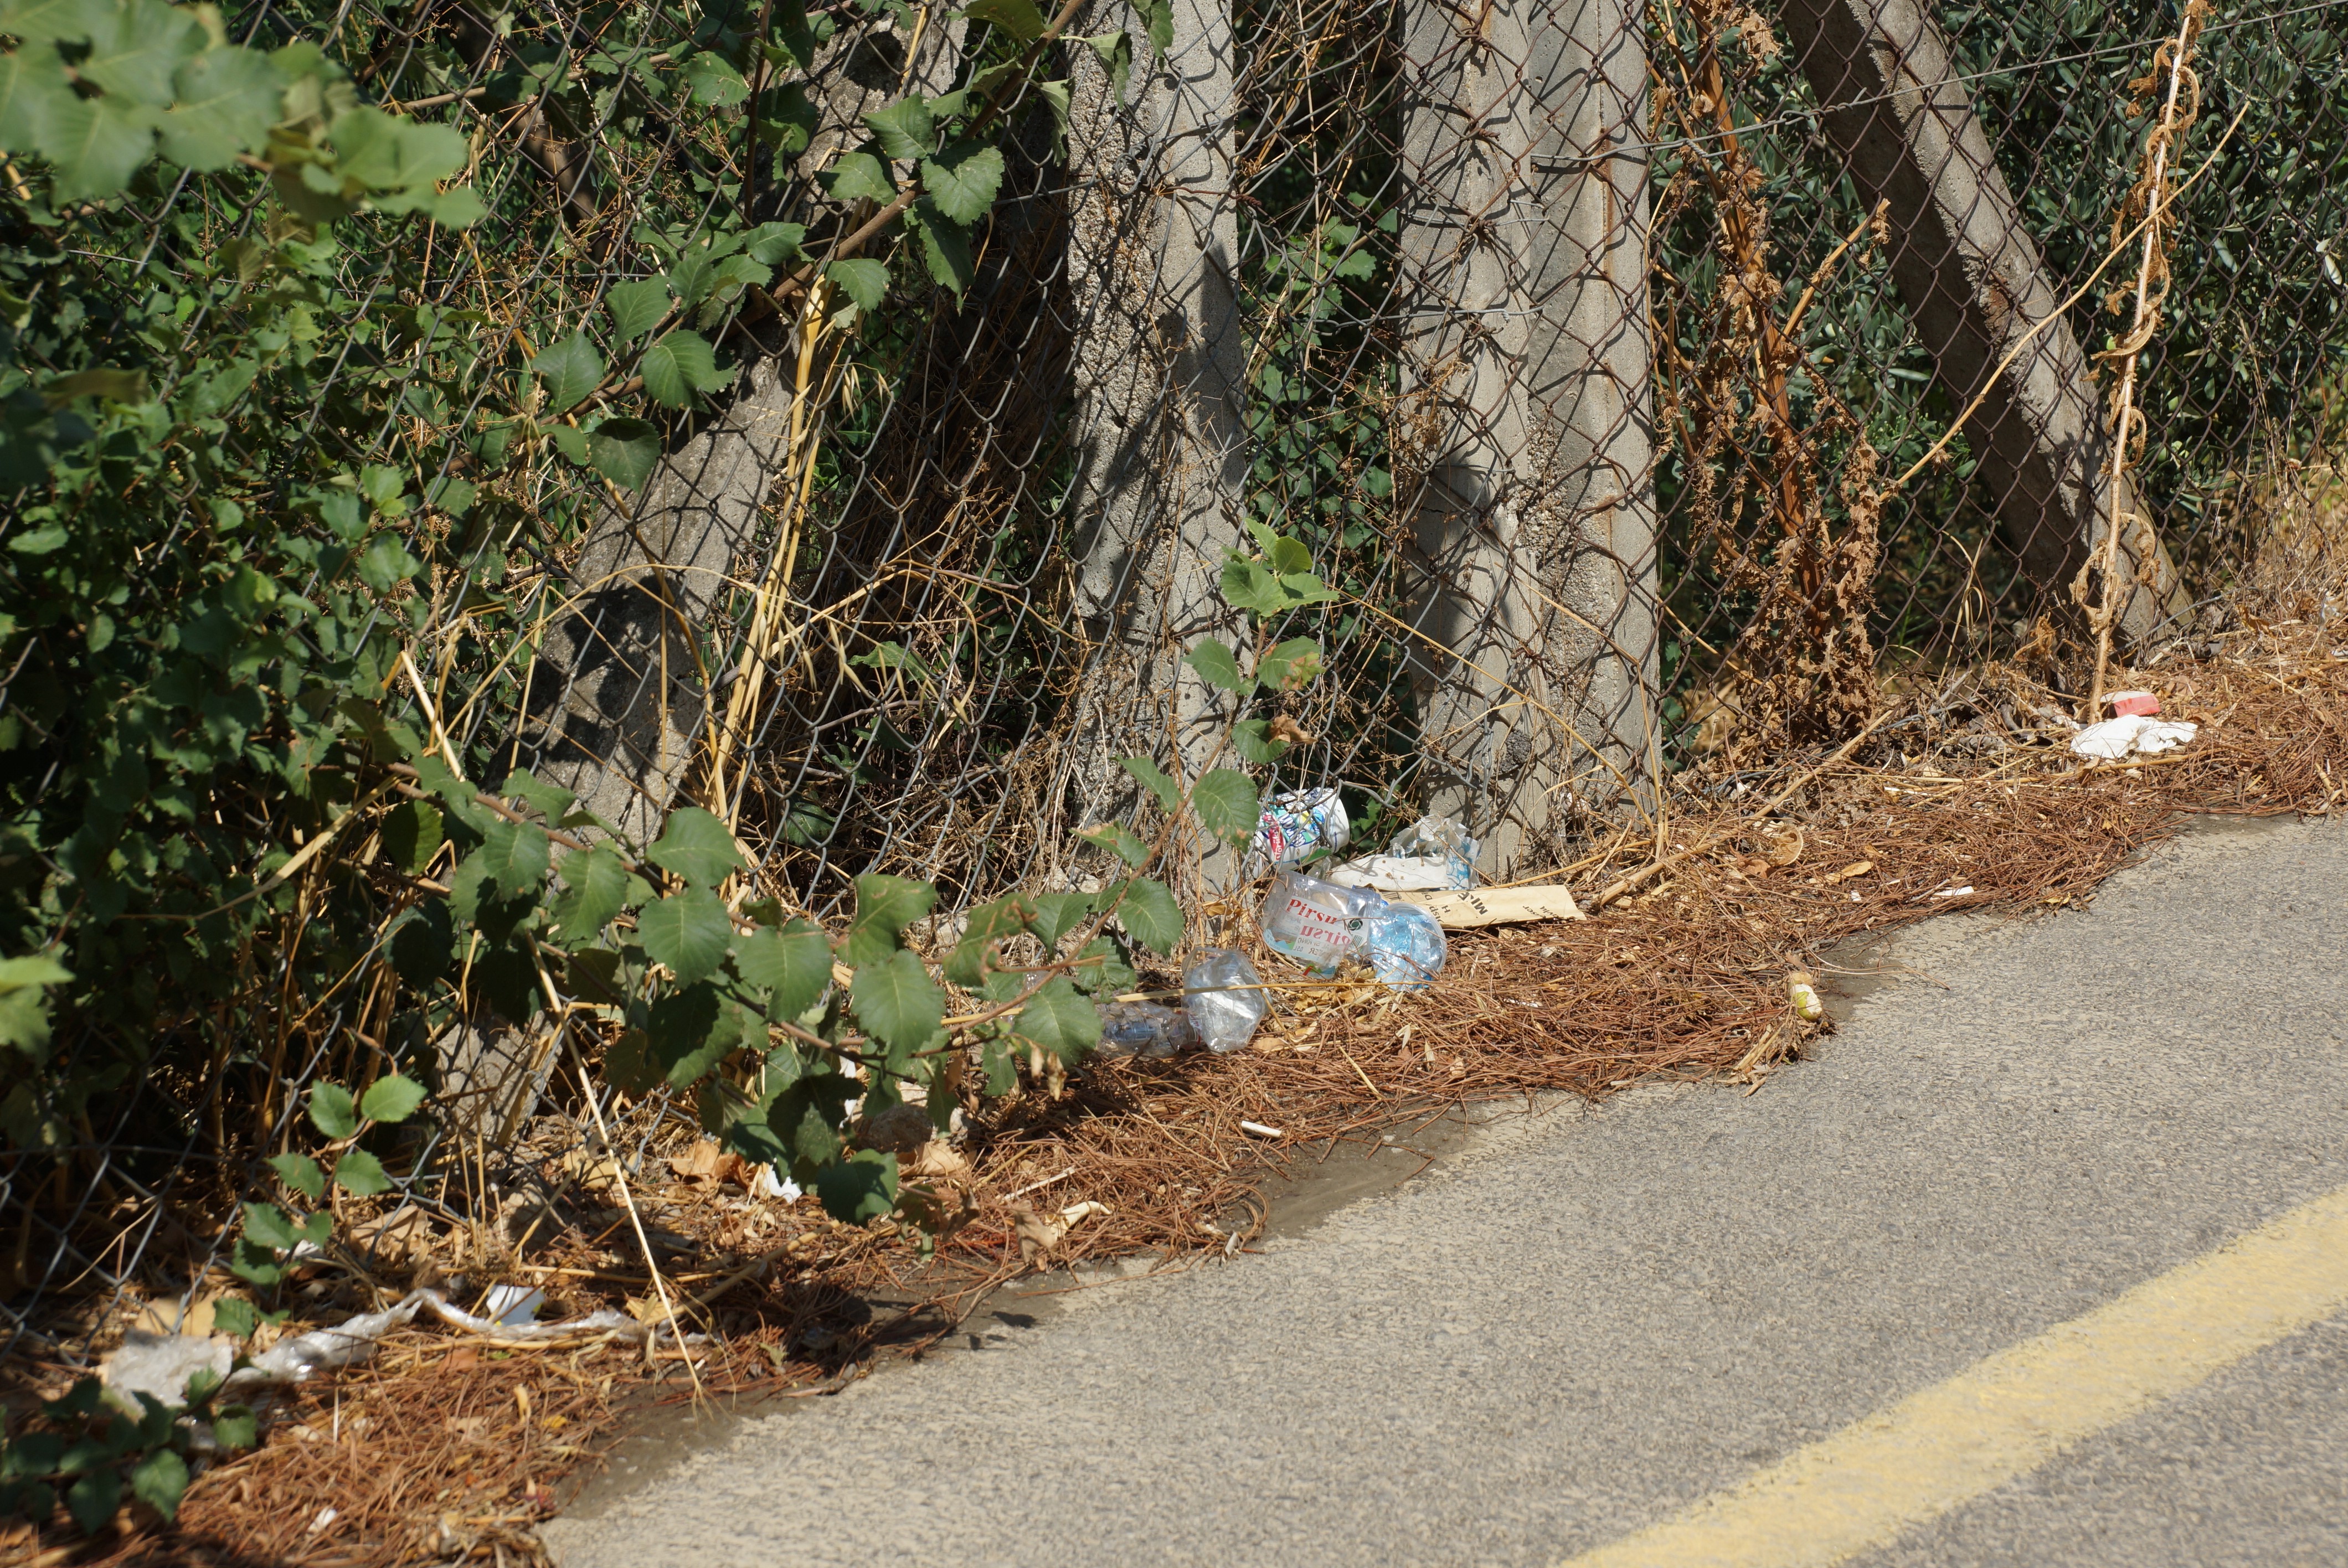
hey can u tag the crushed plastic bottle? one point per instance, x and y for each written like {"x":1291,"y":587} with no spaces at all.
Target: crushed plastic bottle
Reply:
{"x":1145,"y":1030}
{"x":1316,"y":923}
{"x":1225,"y":1019}
{"x":1406,"y":946}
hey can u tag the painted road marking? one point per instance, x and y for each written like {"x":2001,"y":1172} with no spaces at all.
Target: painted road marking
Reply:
{"x":2012,"y":1412}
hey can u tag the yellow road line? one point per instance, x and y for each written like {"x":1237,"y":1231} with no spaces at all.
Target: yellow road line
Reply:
{"x":2007,"y":1415}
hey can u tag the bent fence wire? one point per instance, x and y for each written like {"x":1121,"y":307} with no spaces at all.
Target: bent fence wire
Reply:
{"x":1580,"y":345}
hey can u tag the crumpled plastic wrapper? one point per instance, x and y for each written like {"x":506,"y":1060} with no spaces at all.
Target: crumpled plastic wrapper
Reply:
{"x":2115,"y":739}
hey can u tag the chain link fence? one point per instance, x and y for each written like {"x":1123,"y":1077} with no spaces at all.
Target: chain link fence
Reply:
{"x":1651,"y":385}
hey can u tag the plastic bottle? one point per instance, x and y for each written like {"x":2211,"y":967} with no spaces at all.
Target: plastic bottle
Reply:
{"x":1225,"y":1019}
{"x":1405,"y":945}
{"x":1317,"y":923}
{"x":1144,"y":1030}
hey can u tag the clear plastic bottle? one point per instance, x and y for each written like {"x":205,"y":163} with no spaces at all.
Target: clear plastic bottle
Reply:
{"x":1225,"y":1018}
{"x":1405,"y":945}
{"x":1144,"y":1030}
{"x":1316,"y":923}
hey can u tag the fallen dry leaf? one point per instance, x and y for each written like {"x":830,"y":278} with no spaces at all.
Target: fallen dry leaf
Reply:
{"x":1039,"y":1234}
{"x":1856,"y":868}
{"x":937,"y":1158}
{"x":1780,"y":846}
{"x":704,"y":1164}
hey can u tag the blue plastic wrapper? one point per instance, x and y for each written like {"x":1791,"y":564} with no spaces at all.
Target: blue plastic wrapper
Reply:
{"x":1405,"y":945}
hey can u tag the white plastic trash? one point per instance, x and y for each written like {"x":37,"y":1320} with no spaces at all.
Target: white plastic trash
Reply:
{"x":2115,"y":739}
{"x":1316,"y":923}
{"x":1225,"y":1018}
{"x":1295,"y":823}
{"x":1433,"y":855}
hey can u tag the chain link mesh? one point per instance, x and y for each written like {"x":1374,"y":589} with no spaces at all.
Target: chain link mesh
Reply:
{"x":1579,"y":343}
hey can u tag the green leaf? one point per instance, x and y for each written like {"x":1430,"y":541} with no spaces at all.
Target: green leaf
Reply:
{"x":987,"y":923}
{"x":24,"y":1007}
{"x":859,"y":177}
{"x":1226,"y":804}
{"x":1291,"y":667}
{"x":136,"y":48}
{"x":226,"y":99}
{"x":629,"y":1061}
{"x":1122,"y":840}
{"x":1105,"y":969}
{"x":945,"y":249}
{"x":549,"y":800}
{"x":1018,"y":17}
{"x":1115,"y":51}
{"x":93,"y":1499}
{"x":1250,"y":585}
{"x":1150,"y":915}
{"x":793,"y":966}
{"x":679,"y":365}
{"x":235,"y":1426}
{"x":412,"y":835}
{"x":860,"y":1188}
{"x":300,"y":1173}
{"x":332,"y":1110}
{"x":235,"y":1316}
{"x":1251,"y":738}
{"x":905,"y":128}
{"x":772,"y":244}
{"x":423,"y":948}
{"x":1058,"y":914}
{"x":158,"y":1481}
{"x":51,"y":21}
{"x":570,"y":369}
{"x":95,"y":145}
{"x":897,"y":1001}
{"x":1058,"y":1021}
{"x":1154,"y":779}
{"x":514,"y":855}
{"x":962,"y":181}
{"x":1159,"y":16}
{"x":690,"y":1031}
{"x":391,"y":1099}
{"x":713,"y":80}
{"x":1219,"y":665}
{"x":594,"y":888}
{"x":866,"y":282}
{"x":636,"y":308}
{"x":394,"y":155}
{"x":884,"y":907}
{"x":361,"y":1174}
{"x":35,"y":93}
{"x":696,"y":846}
{"x":265,"y":1224}
{"x":688,"y":931}
{"x":624,"y":450}
{"x":569,"y":440}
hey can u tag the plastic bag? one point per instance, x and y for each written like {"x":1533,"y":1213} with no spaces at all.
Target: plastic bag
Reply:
{"x":1316,"y":923}
{"x":1432,"y":854}
{"x":2115,"y":738}
{"x":1406,"y":946}
{"x":1225,"y":1019}
{"x":1299,"y":821}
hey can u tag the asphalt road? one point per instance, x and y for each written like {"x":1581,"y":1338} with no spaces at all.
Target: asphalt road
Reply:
{"x":1582,"y":1322}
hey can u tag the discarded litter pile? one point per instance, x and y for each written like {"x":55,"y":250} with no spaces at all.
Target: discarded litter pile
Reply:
{"x":1699,"y":958}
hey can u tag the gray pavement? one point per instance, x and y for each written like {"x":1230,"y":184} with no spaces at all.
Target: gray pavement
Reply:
{"x":1582,"y":1321}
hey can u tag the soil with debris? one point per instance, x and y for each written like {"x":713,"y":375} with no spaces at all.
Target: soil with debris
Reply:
{"x":1966,"y":797}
